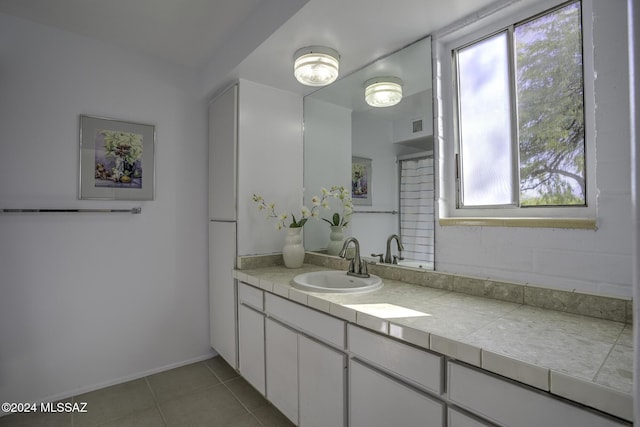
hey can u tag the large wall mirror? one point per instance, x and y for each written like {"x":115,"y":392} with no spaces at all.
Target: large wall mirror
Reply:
{"x":391,"y":146}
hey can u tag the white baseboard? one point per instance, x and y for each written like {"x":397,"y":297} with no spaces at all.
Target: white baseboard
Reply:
{"x":81,"y":390}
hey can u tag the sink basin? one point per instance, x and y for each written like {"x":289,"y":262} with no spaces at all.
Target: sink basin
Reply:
{"x":335,"y":282}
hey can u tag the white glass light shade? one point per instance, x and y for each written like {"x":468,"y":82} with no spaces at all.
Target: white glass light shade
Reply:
{"x":383,"y":91}
{"x":316,"y":65}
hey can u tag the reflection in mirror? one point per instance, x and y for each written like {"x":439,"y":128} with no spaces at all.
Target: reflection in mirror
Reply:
{"x":393,"y":191}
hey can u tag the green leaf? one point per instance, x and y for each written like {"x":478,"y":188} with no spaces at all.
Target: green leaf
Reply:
{"x":336,"y":218}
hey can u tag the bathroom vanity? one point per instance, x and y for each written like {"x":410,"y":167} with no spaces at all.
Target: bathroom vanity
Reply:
{"x":412,"y":355}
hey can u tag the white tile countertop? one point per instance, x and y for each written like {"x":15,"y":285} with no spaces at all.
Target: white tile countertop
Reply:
{"x":581,"y":358}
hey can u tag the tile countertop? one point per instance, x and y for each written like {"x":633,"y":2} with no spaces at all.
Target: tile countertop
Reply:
{"x":584,"y":359}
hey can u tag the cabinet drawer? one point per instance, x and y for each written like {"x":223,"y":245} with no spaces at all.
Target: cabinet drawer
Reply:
{"x":510,"y":404}
{"x":248,"y":295}
{"x":376,"y":400}
{"x":314,"y":323}
{"x":417,"y":366}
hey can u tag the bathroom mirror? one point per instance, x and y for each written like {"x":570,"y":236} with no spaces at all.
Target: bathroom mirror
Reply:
{"x":392,"y":148}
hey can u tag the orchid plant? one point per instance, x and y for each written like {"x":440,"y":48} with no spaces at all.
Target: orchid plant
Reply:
{"x":318,"y":202}
{"x":342,"y":194}
{"x":282,"y":218}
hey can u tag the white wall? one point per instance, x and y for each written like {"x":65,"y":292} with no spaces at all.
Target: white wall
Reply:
{"x":588,"y":261}
{"x":270,"y":163}
{"x":91,"y":299}
{"x":373,"y":138}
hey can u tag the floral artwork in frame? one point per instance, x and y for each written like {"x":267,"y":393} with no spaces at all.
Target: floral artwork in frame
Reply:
{"x":117,"y":159}
{"x":361,"y":181}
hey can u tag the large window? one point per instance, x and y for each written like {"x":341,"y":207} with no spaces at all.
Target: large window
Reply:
{"x":520,"y":125}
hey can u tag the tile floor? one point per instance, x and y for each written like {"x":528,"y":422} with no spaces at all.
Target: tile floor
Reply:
{"x":208,"y":393}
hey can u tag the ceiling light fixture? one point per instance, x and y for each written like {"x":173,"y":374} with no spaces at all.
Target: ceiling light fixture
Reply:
{"x":316,"y":65}
{"x":383,"y":91}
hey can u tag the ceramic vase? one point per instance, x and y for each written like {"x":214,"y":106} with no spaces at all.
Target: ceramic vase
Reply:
{"x":293,"y":251}
{"x":336,"y":240}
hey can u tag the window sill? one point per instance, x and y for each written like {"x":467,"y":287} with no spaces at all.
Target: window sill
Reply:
{"x":571,"y":223}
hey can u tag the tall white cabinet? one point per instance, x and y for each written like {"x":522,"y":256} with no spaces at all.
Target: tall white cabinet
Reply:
{"x":255,"y":147}
{"x":223,"y":142}
{"x":223,"y":147}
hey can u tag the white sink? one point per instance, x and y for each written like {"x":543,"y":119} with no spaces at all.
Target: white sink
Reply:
{"x":336,"y":282}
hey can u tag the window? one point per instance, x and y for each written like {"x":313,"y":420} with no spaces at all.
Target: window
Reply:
{"x":520,"y":125}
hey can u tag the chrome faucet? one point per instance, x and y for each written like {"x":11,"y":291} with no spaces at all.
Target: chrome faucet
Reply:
{"x":387,"y":256}
{"x":357,"y":266}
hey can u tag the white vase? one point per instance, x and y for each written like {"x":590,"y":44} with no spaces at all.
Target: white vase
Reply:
{"x":336,"y":240}
{"x":293,"y":251}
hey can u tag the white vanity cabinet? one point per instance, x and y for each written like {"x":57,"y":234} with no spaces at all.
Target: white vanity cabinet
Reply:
{"x":251,"y":345}
{"x":282,"y":368}
{"x":388,"y":380}
{"x":379,"y":400}
{"x":414,"y":366}
{"x":305,"y":367}
{"x":320,"y":370}
{"x":321,"y":384}
{"x":457,"y":418}
{"x":509,"y":404}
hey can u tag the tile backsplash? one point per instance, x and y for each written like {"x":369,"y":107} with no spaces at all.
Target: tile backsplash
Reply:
{"x":609,"y":308}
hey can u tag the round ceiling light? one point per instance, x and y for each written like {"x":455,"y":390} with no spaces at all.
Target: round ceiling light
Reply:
{"x":383,"y":91}
{"x":316,"y":65}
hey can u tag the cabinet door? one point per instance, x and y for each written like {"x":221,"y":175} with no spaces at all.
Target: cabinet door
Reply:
{"x":223,"y":133}
{"x":456,"y":418}
{"x":251,"y":347}
{"x":376,"y":400}
{"x":222,"y":294}
{"x":322,"y":384}
{"x":282,"y":368}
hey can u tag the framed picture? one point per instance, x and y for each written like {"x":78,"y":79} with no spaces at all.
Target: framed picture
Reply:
{"x":117,"y":159}
{"x":361,"y":181}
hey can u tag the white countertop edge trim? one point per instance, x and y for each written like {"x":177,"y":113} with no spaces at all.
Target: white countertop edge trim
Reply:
{"x":526,"y":373}
{"x":592,"y":394}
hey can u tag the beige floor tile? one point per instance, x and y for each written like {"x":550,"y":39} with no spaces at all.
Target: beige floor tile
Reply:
{"x":269,"y":416}
{"x":245,"y":420}
{"x":147,"y":418}
{"x":245,"y":392}
{"x":113,"y":402}
{"x":36,"y":419}
{"x":181,"y":381}
{"x":221,"y":368}
{"x":214,"y":406}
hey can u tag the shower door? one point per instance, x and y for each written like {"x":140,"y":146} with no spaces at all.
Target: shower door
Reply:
{"x":417,"y":210}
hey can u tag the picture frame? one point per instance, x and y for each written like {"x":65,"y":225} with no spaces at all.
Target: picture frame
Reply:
{"x":117,"y":159}
{"x":361,"y":190}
